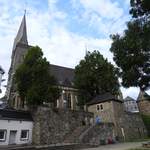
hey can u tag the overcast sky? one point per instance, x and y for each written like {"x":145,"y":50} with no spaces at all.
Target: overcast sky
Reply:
{"x":64,"y":29}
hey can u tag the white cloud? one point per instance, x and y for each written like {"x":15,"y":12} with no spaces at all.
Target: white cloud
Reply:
{"x":104,"y":8}
{"x":106,"y":16}
{"x":132,"y":92}
{"x":48,"y":30}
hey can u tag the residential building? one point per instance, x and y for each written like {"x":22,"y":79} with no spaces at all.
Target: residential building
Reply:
{"x":130,"y":105}
{"x":15,"y":127}
{"x":110,"y":109}
{"x":103,"y":106}
{"x":64,"y":75}
{"x":143,"y":102}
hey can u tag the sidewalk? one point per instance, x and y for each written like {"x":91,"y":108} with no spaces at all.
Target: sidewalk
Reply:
{"x":119,"y":146}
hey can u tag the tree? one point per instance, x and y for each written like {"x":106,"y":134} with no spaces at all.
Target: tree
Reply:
{"x":140,"y":8}
{"x":34,"y":82}
{"x":132,"y":49}
{"x":95,"y":75}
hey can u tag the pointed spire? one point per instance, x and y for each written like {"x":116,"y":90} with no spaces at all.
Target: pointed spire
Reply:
{"x":22,"y":33}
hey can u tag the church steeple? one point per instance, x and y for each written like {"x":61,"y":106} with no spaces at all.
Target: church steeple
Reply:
{"x":20,"y":48}
{"x":22,"y":33}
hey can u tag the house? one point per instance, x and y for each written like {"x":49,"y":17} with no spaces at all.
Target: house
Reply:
{"x":143,"y":102}
{"x":15,"y":127}
{"x":130,"y":105}
{"x":110,"y":109}
{"x":105,"y":106}
{"x":64,"y":75}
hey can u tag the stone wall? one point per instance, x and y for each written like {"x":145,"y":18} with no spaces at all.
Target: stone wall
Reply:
{"x":144,"y":107}
{"x":131,"y":127}
{"x":98,"y":133}
{"x":53,"y":125}
{"x":127,"y":126}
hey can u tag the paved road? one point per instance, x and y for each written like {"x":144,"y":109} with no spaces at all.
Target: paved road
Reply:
{"x":119,"y":146}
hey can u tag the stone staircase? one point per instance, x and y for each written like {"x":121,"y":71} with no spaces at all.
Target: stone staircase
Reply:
{"x":74,"y":136}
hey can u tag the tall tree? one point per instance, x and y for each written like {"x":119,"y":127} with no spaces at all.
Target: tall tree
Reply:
{"x":140,"y":8}
{"x":95,"y":75}
{"x":34,"y":82}
{"x":132,"y":49}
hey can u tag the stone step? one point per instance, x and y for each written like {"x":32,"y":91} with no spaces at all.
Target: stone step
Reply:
{"x":74,"y":136}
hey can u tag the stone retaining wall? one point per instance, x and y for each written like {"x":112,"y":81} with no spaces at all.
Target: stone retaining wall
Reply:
{"x":131,"y":127}
{"x":98,"y":133}
{"x":52,"y":125}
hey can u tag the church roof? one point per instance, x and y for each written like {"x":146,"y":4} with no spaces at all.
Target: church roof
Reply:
{"x":103,"y":98}
{"x":64,"y":75}
{"x":143,"y":96}
{"x":22,"y":33}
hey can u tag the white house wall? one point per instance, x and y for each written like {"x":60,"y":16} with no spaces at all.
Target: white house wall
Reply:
{"x":18,"y":126}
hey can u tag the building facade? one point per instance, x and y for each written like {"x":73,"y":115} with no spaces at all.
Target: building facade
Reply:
{"x":64,"y":75}
{"x":143,"y":102}
{"x":110,"y":109}
{"x":15,"y":127}
{"x":130,"y":105}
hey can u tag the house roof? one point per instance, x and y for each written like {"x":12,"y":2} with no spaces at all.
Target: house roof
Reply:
{"x":64,"y":75}
{"x":143,"y":96}
{"x":10,"y":114}
{"x":104,"y":98}
{"x":128,"y":98}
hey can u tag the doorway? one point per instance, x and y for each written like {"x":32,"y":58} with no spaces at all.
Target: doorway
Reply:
{"x":12,"y":137}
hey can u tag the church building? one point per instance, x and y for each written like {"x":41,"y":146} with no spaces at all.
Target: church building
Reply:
{"x":64,"y":76}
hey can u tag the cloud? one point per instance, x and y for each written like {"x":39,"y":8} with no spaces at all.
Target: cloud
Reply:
{"x":104,"y":8}
{"x":105,"y":17}
{"x":49,"y":29}
{"x":132,"y":91}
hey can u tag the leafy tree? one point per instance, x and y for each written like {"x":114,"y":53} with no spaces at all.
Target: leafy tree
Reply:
{"x":132,"y":49}
{"x":140,"y":8}
{"x":95,"y":75}
{"x":34,"y":82}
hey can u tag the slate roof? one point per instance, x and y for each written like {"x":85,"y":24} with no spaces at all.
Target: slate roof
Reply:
{"x":143,"y":96}
{"x":64,"y":75}
{"x":22,"y":33}
{"x":128,"y":98}
{"x":10,"y":114}
{"x":103,"y":98}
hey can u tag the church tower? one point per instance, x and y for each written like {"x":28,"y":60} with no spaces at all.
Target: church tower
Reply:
{"x":20,"y":48}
